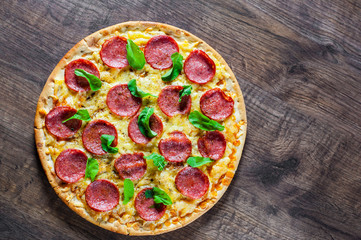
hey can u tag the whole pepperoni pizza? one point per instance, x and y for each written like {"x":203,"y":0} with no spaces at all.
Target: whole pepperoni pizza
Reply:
{"x":140,"y":128}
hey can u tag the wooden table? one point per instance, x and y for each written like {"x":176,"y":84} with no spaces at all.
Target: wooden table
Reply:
{"x":299,"y":66}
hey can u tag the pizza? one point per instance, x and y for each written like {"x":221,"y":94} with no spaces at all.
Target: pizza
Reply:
{"x":140,"y":128}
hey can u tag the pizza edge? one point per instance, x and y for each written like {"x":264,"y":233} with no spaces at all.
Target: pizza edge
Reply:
{"x":45,"y":99}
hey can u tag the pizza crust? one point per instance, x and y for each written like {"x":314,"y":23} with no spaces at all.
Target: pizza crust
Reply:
{"x":46,"y":102}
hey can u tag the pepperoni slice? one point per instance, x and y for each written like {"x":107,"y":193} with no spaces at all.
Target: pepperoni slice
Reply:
{"x":114,"y":52}
{"x":168,"y":101}
{"x":192,"y":182}
{"x":212,"y":145}
{"x":147,"y":208}
{"x":76,"y":83}
{"x":102,"y":195}
{"x":92,"y":133}
{"x":54,"y":122}
{"x":121,"y":102}
{"x":177,"y":148}
{"x":70,"y":165}
{"x":199,"y":67}
{"x":158,"y":51}
{"x":216,"y":105}
{"x":135,"y":134}
{"x":132,"y":166}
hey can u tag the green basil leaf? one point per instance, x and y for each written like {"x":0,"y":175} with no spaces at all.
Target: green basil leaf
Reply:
{"x":94,"y":81}
{"x":143,"y":122}
{"x":148,"y":193}
{"x":198,"y":161}
{"x":135,"y":91}
{"x":203,"y":122}
{"x":106,"y":142}
{"x":92,"y":168}
{"x":177,"y":60}
{"x":81,"y":114}
{"x":187,"y":89}
{"x":135,"y":56}
{"x":158,"y":160}
{"x":161,"y":197}
{"x":128,"y":190}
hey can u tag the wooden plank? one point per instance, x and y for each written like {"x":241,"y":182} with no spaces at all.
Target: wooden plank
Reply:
{"x":299,"y":66}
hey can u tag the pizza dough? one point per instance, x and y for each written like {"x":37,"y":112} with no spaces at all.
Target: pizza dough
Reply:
{"x":193,"y":191}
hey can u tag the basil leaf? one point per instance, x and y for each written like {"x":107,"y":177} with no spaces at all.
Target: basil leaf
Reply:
{"x":81,"y":114}
{"x":128,"y":190}
{"x":143,"y":122}
{"x":94,"y":81}
{"x":202,"y":122}
{"x":134,"y":55}
{"x":198,"y":161}
{"x":161,"y":197}
{"x":135,"y":91}
{"x":148,"y":193}
{"x":185,"y":91}
{"x":158,"y":160}
{"x":106,"y":142}
{"x":92,"y":168}
{"x":177,"y":60}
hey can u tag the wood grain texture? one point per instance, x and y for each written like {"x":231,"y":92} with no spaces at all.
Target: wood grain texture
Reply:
{"x":299,"y":66}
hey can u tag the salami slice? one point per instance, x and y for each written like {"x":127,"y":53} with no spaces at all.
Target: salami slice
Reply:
{"x":132,"y":166}
{"x":54,"y":122}
{"x":92,"y":133}
{"x":121,"y":102}
{"x":76,"y":83}
{"x":199,"y":67}
{"x":177,"y":148}
{"x":114,"y":52}
{"x":102,"y":195}
{"x":216,"y":105}
{"x":135,"y":134}
{"x":158,"y":51}
{"x":147,"y":208}
{"x":192,"y":182}
{"x":70,"y":165}
{"x":168,"y":101}
{"x":212,"y":145}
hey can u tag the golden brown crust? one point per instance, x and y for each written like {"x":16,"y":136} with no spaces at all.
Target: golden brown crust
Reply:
{"x":45,"y":102}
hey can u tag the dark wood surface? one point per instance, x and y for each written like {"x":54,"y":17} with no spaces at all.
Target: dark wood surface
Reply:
{"x":299,"y":66}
